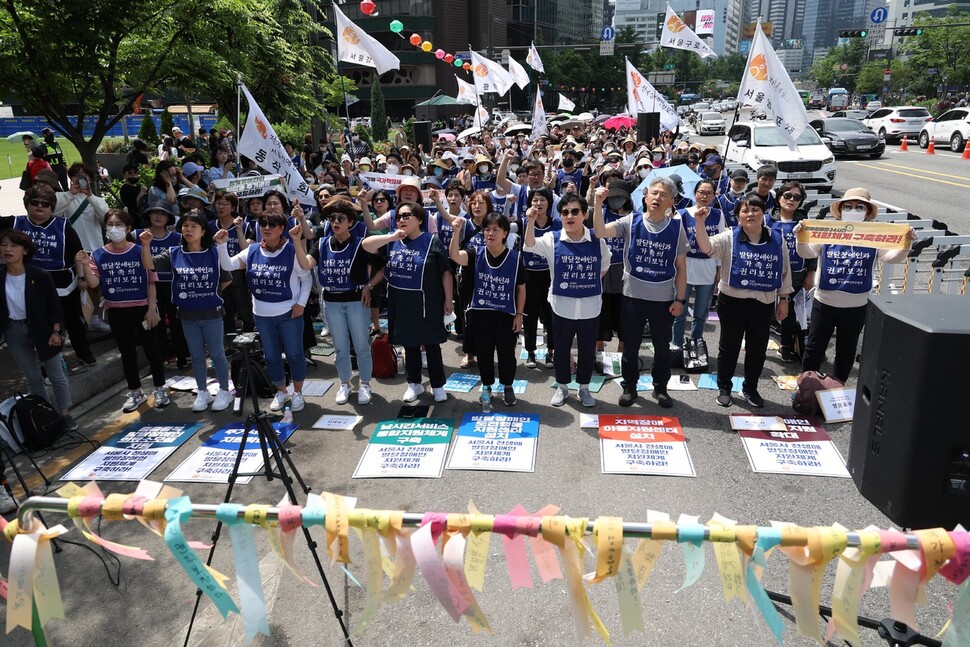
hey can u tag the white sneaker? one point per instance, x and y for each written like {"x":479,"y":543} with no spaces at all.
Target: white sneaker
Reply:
{"x":202,"y":401}
{"x":414,"y":390}
{"x":98,"y":325}
{"x":297,"y":402}
{"x":279,"y":401}
{"x":222,"y":401}
{"x":7,"y":503}
{"x":134,"y":400}
{"x":343,"y":393}
{"x":161,"y":398}
{"x":363,"y":394}
{"x":559,"y":397}
{"x":439,"y":394}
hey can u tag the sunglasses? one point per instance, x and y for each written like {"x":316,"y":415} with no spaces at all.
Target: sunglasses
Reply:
{"x":572,"y":212}
{"x":404,"y":216}
{"x":271,"y":223}
{"x":340,"y":218}
{"x":380,"y":199}
{"x":323,"y":196}
{"x":40,"y":203}
{"x":792,"y":196}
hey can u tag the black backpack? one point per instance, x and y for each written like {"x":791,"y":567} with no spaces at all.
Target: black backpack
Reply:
{"x":40,"y":423}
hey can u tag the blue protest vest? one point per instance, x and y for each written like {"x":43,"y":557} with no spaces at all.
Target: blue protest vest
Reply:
{"x":232,"y":243}
{"x":472,"y":238}
{"x":158,"y":245}
{"x":576,"y":267}
{"x":727,"y":203}
{"x":534,"y":261}
{"x":445,"y":231}
{"x":49,"y":240}
{"x":405,"y":262}
{"x":756,"y":267}
{"x":650,"y":257}
{"x":576,"y":177}
{"x":268,"y":277}
{"x":495,"y":286}
{"x":195,"y":278}
{"x":123,"y":277}
{"x":333,"y":268}
{"x":787,"y":229}
{"x":479,"y":183}
{"x":846,"y":268}
{"x":616,"y":243}
{"x":711,"y":224}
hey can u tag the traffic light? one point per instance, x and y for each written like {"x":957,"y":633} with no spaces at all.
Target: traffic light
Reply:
{"x":853,"y":33}
{"x":908,"y":31}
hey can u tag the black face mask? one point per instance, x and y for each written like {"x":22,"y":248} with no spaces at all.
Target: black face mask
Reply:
{"x":615,"y":204}
{"x":567,"y":162}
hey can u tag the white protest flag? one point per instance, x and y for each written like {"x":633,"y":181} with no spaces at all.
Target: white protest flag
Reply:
{"x":356,"y":46}
{"x":678,"y":35}
{"x":490,"y":76}
{"x":466,"y":93}
{"x":481,"y":117}
{"x":518,"y":73}
{"x":641,"y":96}
{"x":565,"y":105}
{"x":260,"y":144}
{"x":533,"y":59}
{"x":766,"y":85}
{"x":539,"y":125}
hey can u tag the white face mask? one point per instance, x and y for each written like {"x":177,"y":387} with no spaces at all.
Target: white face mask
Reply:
{"x":116,"y":234}
{"x":643,"y":173}
{"x":854,"y":215}
{"x":483,"y":169}
{"x":393,"y":169}
{"x":407,"y":171}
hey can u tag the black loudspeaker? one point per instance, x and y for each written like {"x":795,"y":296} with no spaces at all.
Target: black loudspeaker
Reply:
{"x":422,"y":135}
{"x":909,"y":453}
{"x":648,"y":126}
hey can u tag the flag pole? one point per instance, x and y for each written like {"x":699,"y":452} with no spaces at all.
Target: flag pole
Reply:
{"x":238,"y":104}
{"x":478,"y":97}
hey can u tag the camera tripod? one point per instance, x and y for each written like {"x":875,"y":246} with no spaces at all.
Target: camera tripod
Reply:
{"x":274,"y":454}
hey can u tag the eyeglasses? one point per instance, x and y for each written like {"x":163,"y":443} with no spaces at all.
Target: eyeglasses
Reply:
{"x":380,"y":199}
{"x":222,"y":203}
{"x":576,"y":211}
{"x":44,"y":204}
{"x":404,"y":216}
{"x":792,"y":196}
{"x":704,"y":192}
{"x":340,"y":218}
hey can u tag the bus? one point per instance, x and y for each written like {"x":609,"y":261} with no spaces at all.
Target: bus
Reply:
{"x":805,"y":95}
{"x":687,"y":98}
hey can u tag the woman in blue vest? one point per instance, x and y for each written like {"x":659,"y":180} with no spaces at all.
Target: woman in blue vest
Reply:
{"x":160,"y":217}
{"x":470,"y":237}
{"x":755,"y":288}
{"x":130,"y":300}
{"x":197,"y":275}
{"x":577,"y":262}
{"x":343,"y":269}
{"x":784,"y":219}
{"x":419,"y":295}
{"x":611,"y":314}
{"x":452,"y":207}
{"x":537,"y":278}
{"x":842,"y":287}
{"x":280,"y":289}
{"x":701,"y":271}
{"x":237,"y":300}
{"x":497,"y":302}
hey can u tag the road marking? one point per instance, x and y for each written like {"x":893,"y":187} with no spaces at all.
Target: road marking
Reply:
{"x":920,"y":177}
{"x":922,"y":170}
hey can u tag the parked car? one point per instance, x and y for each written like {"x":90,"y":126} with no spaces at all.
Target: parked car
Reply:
{"x":952,"y":127}
{"x":873,"y":105}
{"x":754,"y":144}
{"x":711,"y":123}
{"x":897,"y":122}
{"x":816,"y":103}
{"x":850,"y":114}
{"x":700,"y":107}
{"x":732,"y":104}
{"x":849,"y":137}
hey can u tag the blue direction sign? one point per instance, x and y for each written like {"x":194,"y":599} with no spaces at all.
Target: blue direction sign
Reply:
{"x":879,"y":15}
{"x":608,"y":33}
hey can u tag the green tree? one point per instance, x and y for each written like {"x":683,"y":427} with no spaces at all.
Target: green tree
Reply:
{"x":147,"y":132}
{"x":378,"y":116}
{"x":828,"y":71}
{"x":942,"y":47}
{"x":166,"y":123}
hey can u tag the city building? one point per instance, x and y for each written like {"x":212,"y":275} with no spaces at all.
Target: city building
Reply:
{"x":646,"y":16}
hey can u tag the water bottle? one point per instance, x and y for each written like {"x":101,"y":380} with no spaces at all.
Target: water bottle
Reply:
{"x":287,"y":414}
{"x":486,"y":399}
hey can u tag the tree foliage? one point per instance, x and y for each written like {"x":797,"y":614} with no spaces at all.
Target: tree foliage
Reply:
{"x":827,"y":71}
{"x":147,"y":131}
{"x":942,"y":48}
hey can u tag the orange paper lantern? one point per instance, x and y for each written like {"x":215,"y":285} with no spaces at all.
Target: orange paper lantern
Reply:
{"x":415,"y":40}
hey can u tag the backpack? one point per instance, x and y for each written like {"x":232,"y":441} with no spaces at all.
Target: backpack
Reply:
{"x":803,"y":400}
{"x":40,"y":423}
{"x":384,"y":357}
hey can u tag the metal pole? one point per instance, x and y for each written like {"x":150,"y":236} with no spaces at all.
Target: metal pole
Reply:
{"x":238,"y":104}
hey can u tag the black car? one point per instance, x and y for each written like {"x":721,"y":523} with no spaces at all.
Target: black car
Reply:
{"x":849,"y":137}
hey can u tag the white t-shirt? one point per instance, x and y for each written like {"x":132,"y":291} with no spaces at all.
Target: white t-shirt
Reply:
{"x":16,"y":305}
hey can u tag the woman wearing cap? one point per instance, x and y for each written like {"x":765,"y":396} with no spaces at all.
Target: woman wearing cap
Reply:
{"x":280,"y":289}
{"x":197,"y":269}
{"x":758,"y":289}
{"x":713,"y":169}
{"x":629,"y":148}
{"x":160,"y":218}
{"x":483,"y":177}
{"x":497,"y":304}
{"x":419,"y":295}
{"x":658,"y":157}
{"x":784,"y":219}
{"x":842,"y":287}
{"x":727,"y":202}
{"x":346,"y":281}
{"x":237,"y":302}
{"x":130,"y":301}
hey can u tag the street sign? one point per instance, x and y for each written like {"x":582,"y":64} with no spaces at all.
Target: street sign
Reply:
{"x":877,"y":33}
{"x":606,"y":47}
{"x":887,"y":75}
{"x":879,"y":15}
{"x":662,"y":78}
{"x":608,"y":33}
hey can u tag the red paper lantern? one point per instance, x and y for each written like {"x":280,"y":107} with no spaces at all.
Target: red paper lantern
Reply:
{"x":416,"y":40}
{"x":368,"y":7}
{"x":466,"y":66}
{"x":449,"y":58}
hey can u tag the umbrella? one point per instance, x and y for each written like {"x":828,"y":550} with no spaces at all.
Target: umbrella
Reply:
{"x":689,"y":177}
{"x":444,"y":131}
{"x":564,"y":115}
{"x":518,"y":128}
{"x":585,"y":117}
{"x":571,"y":123}
{"x":448,"y":137}
{"x":469,"y":132}
{"x":600,"y":119}
{"x":619,"y":121}
{"x":18,"y":135}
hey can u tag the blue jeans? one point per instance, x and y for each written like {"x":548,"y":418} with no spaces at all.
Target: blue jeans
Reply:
{"x":350,"y":321}
{"x":25,"y":356}
{"x":280,"y":334}
{"x":202,"y":335}
{"x":702,"y":305}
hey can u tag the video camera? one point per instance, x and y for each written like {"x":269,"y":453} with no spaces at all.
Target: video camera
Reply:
{"x":246,"y":341}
